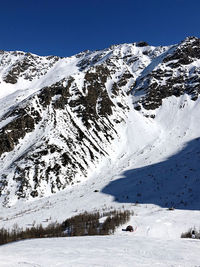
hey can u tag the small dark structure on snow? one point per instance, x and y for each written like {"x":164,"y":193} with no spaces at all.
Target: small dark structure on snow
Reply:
{"x":129,"y":228}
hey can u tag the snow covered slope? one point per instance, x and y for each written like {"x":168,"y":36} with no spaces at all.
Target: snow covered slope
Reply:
{"x":101,"y":251}
{"x":121,"y":111}
{"x":111,"y":129}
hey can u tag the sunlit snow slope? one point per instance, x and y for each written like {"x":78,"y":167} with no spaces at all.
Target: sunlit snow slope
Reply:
{"x":125,"y":117}
{"x":126,"y":251}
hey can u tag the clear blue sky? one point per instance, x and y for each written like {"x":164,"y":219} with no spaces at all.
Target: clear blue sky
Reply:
{"x":66,"y":27}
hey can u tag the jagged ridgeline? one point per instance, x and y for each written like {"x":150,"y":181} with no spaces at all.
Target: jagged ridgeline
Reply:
{"x":60,"y":117}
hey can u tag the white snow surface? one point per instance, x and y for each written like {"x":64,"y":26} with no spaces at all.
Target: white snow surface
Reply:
{"x":148,"y":157}
{"x":110,"y":251}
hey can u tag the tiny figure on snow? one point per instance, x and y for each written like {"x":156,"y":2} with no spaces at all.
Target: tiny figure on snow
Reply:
{"x":129,"y":228}
{"x":193,"y":234}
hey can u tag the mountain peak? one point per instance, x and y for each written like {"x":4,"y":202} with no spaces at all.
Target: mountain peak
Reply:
{"x":61,"y":117}
{"x":190,"y":39}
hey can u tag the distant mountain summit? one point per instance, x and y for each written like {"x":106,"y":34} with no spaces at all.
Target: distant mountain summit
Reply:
{"x":61,"y":117}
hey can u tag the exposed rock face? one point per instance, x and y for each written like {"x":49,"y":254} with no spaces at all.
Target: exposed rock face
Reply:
{"x":25,"y":65}
{"x":22,"y":123}
{"x":62,"y":115}
{"x":173,"y":75}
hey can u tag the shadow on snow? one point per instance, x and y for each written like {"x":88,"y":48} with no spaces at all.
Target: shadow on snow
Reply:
{"x":174,"y":182}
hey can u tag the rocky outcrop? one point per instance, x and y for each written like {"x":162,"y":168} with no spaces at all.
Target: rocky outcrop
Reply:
{"x":23,"y":122}
{"x":25,"y":65}
{"x":174,"y":75}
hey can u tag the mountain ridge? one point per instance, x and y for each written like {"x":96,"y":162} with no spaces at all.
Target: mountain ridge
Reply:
{"x":61,"y":117}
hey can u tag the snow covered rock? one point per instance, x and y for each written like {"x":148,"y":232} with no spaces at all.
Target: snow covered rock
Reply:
{"x":61,"y":117}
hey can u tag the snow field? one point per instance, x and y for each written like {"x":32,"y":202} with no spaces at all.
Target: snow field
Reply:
{"x":101,"y":251}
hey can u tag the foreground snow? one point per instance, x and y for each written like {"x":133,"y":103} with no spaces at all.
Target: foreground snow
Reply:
{"x":126,"y":250}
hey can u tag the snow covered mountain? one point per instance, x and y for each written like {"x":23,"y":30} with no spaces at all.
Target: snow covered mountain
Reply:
{"x":65,"y":120}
